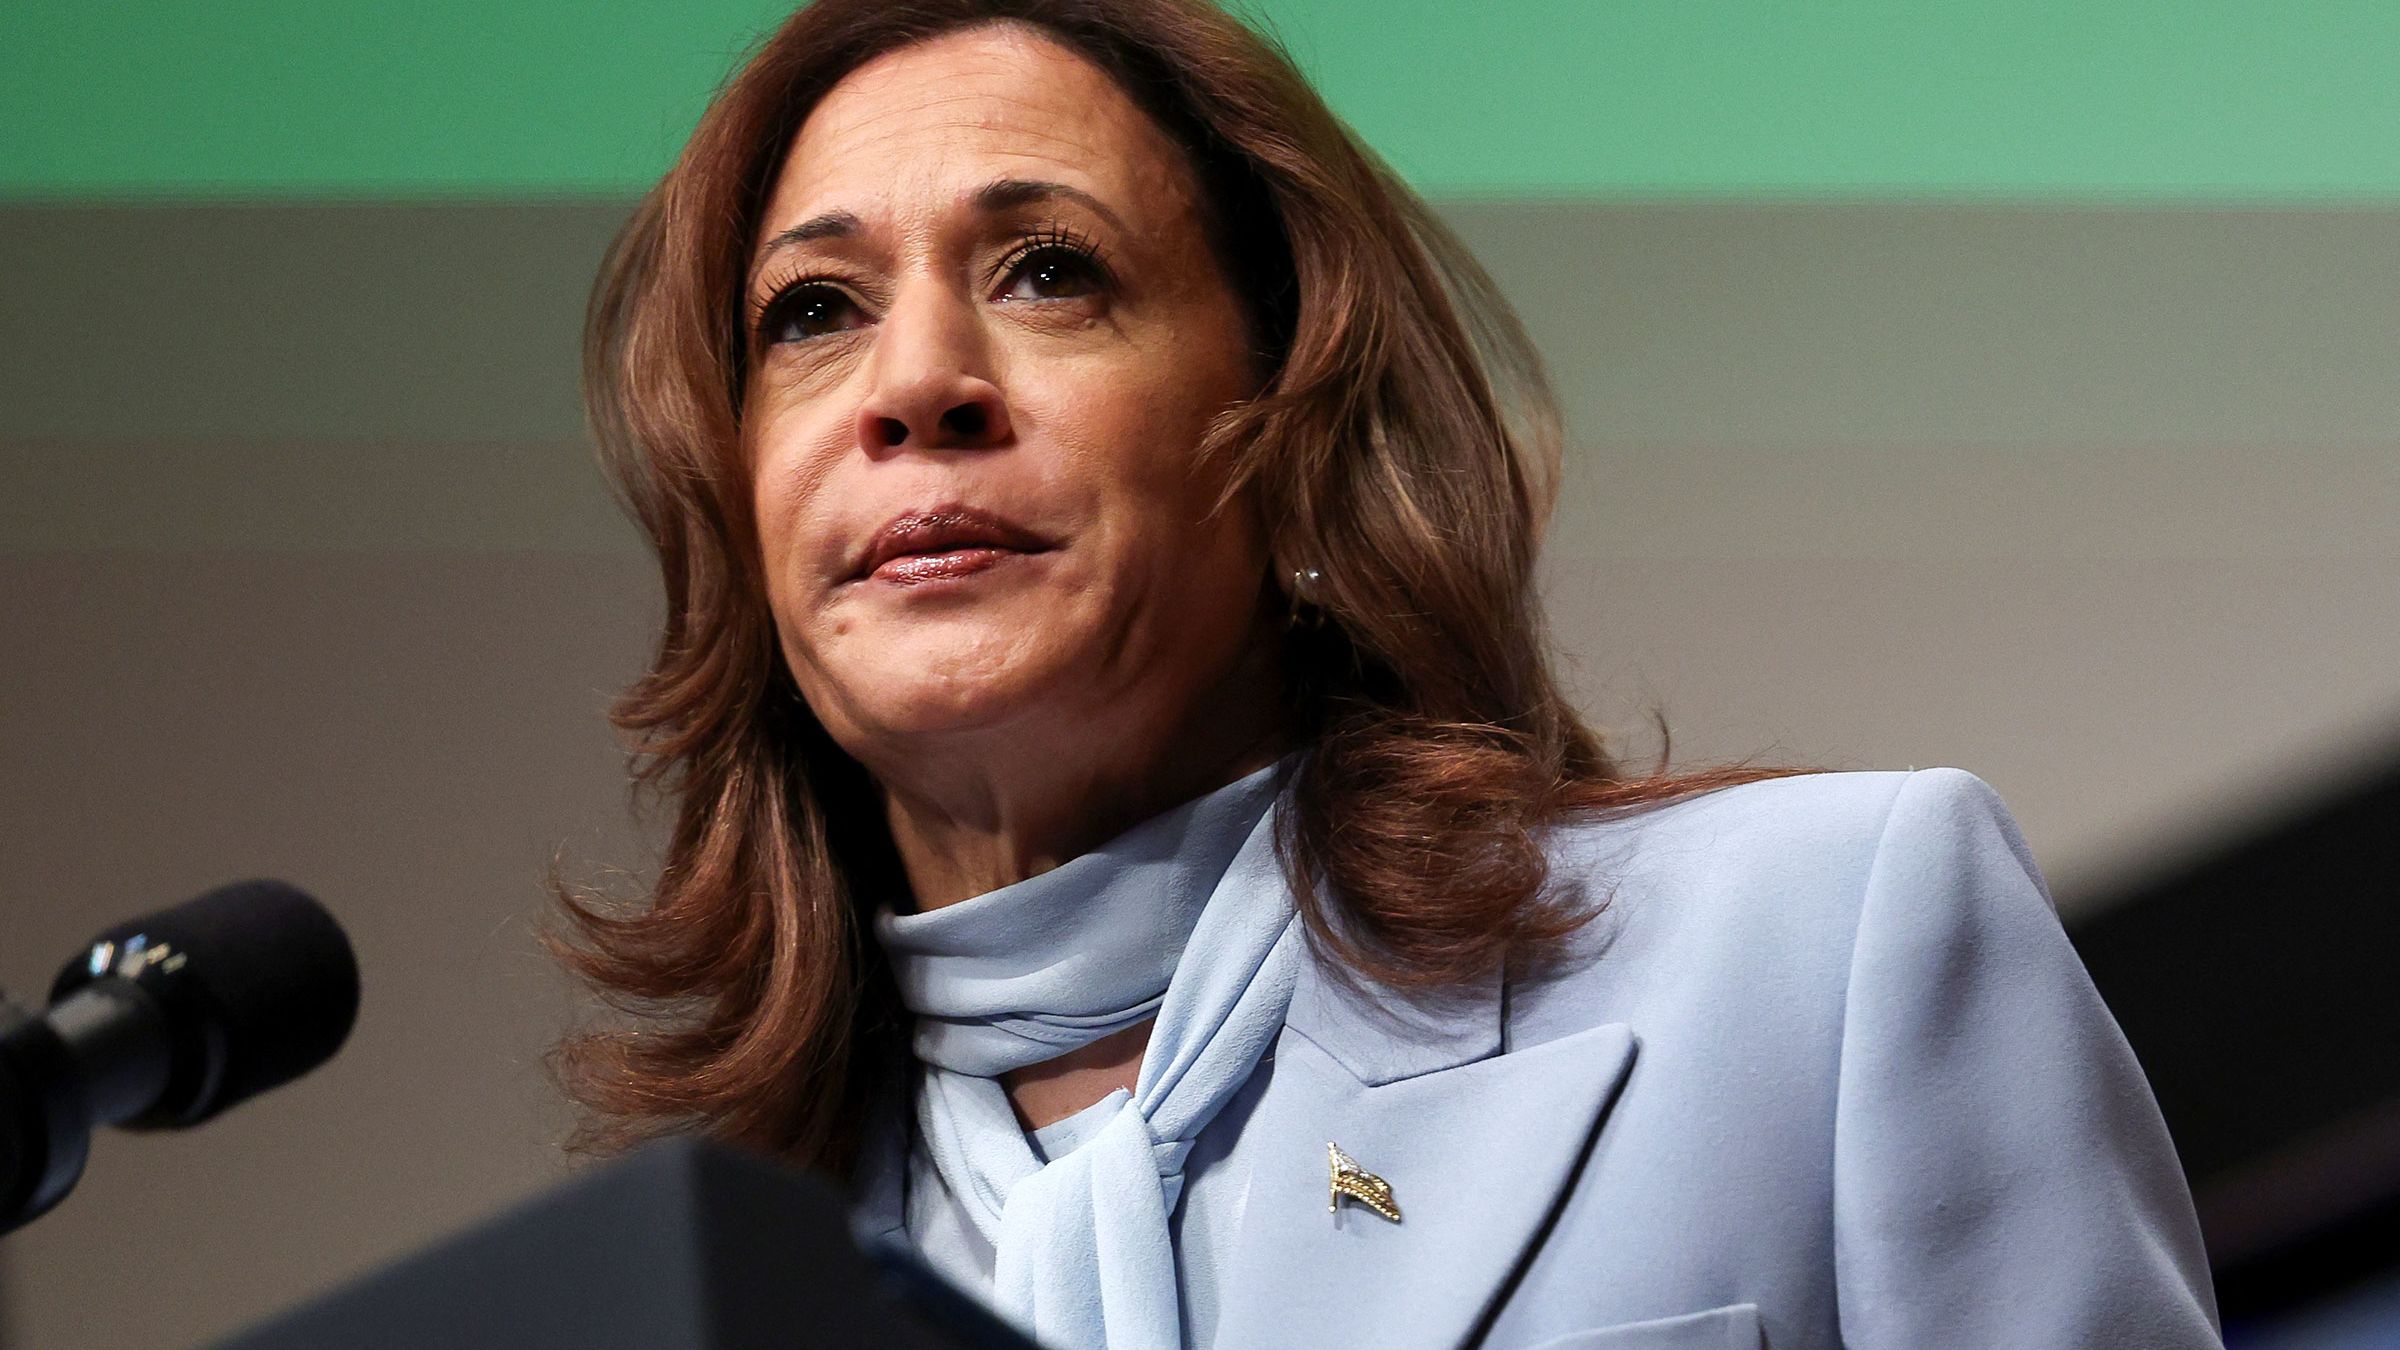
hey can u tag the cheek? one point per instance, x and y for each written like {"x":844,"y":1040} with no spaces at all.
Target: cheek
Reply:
{"x":1129,"y":424}
{"x":1174,"y":571}
{"x":795,"y":430}
{"x":1135,"y":424}
{"x":793,"y":462}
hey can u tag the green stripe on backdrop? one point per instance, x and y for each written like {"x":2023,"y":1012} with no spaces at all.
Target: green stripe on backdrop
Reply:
{"x":2140,"y":99}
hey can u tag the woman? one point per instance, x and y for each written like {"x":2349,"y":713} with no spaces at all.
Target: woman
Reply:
{"x":1124,"y":821}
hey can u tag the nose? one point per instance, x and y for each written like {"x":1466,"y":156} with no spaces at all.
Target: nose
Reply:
{"x":931,"y":387}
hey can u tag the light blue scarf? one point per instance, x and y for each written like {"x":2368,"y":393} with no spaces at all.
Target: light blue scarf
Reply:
{"x":1186,"y":916}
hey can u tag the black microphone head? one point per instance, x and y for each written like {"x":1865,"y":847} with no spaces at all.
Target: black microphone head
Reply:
{"x":257,"y":984}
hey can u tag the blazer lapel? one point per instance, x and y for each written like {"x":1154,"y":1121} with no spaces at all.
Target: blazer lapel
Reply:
{"x":1478,"y":1147}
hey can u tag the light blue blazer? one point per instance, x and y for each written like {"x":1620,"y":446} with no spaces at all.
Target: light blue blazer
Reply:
{"x":1825,"y":1072}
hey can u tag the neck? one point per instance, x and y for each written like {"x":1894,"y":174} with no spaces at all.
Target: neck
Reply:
{"x":1014,"y":806}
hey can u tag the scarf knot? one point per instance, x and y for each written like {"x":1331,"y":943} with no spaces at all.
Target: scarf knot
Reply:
{"x":1186,"y":919}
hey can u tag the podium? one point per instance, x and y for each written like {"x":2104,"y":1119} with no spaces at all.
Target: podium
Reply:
{"x":684,"y":1245}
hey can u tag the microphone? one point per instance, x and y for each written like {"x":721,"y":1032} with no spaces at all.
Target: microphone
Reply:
{"x":162,"y":1023}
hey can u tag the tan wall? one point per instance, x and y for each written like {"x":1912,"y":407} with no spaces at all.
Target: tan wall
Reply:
{"x":303,"y":572}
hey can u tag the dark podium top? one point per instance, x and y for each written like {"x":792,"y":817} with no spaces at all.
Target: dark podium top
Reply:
{"x":684,"y":1244}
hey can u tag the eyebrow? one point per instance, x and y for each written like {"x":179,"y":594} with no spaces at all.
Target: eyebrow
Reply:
{"x":831,"y":225}
{"x":999,"y":195}
{"x":1007,"y":194}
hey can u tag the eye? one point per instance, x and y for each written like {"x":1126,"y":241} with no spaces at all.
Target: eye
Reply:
{"x":810,"y":309}
{"x":1054,"y":265}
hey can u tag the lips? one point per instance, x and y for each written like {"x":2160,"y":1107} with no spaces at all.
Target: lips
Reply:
{"x":943,"y":544}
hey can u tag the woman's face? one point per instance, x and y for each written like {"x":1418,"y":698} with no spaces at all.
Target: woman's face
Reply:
{"x":988,"y":333}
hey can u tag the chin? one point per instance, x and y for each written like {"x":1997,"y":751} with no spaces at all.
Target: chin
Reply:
{"x":938,"y":678}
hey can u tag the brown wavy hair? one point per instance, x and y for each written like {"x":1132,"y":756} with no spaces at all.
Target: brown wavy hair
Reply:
{"x":1405,"y":445}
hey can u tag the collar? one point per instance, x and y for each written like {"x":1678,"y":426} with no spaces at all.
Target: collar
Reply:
{"x":1383,"y":1035}
{"x":1036,"y":969}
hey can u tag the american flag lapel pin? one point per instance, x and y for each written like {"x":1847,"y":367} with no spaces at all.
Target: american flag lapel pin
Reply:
{"x":1350,"y":1179}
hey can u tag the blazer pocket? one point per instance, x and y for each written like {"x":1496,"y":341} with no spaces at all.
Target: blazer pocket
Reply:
{"x":1732,"y":1327}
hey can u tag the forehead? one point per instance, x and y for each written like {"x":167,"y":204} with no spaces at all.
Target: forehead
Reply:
{"x":932,"y":121}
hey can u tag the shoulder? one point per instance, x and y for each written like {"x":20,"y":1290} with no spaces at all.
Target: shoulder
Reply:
{"x":1821,"y":832}
{"x":1771,"y":885}
{"x":1823,"y":807}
